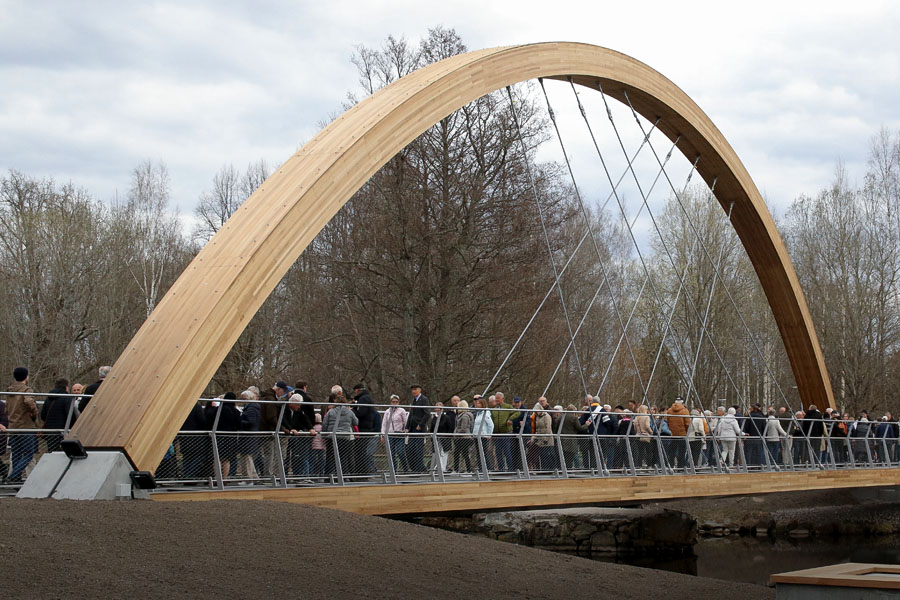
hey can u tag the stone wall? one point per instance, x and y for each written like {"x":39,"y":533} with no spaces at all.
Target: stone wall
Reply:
{"x":585,"y":530}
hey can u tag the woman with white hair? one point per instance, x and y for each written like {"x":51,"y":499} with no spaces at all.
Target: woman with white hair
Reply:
{"x":727,"y":432}
{"x":251,"y":460}
{"x":339,"y":422}
{"x":483,"y":426}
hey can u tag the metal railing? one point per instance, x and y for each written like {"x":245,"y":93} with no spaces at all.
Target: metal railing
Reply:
{"x":442,"y":452}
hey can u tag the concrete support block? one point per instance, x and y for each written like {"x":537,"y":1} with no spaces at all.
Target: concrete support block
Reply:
{"x":100,"y":476}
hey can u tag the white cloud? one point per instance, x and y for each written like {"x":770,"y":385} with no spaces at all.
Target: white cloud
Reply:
{"x":91,"y":89}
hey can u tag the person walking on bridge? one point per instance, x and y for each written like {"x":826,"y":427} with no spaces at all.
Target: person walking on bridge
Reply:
{"x":727,"y":432}
{"x":502,"y":416}
{"x":102,"y":372}
{"x":417,"y":424}
{"x":369,"y":424}
{"x":393,"y":428}
{"x":23,"y":414}
{"x":678,"y":418}
{"x":483,"y":426}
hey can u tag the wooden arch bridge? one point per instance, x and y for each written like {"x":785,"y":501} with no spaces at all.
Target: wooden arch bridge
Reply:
{"x":164,"y":369}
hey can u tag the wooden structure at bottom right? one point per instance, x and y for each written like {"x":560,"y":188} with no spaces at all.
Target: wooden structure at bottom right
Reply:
{"x":847,"y":581}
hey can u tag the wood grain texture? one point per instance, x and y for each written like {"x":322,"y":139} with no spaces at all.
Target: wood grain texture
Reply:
{"x":168,"y":363}
{"x":427,"y":498}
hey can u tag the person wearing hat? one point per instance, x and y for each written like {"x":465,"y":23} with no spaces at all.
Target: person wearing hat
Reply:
{"x":23,"y":414}
{"x":417,"y":423}
{"x":282,"y":391}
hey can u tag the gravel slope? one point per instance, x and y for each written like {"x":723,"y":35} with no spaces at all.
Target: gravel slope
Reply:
{"x":246,"y":549}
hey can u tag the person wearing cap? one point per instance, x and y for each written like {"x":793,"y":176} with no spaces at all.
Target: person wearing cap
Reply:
{"x":23,"y":414}
{"x":417,"y":423}
{"x":282,"y":391}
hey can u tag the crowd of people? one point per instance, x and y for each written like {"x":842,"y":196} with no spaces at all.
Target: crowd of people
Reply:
{"x":343,"y":434}
{"x":280,"y":432}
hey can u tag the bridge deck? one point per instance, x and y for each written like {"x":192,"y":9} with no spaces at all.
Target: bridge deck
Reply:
{"x":521,"y":494}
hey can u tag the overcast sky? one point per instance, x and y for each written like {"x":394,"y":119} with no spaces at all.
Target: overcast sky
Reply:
{"x":88,"y":90}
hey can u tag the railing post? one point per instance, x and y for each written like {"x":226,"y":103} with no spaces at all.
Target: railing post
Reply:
{"x":72,"y":405}
{"x":559,"y":446}
{"x":389,"y":448}
{"x":217,"y":466}
{"x":217,"y":469}
{"x":436,"y":449}
{"x":599,"y":457}
{"x":481,"y":457}
{"x":661,"y":449}
{"x":765,"y":451}
{"x":337,"y":457}
{"x":524,"y":455}
{"x":741,"y":455}
{"x":691,"y":467}
{"x":628,"y":451}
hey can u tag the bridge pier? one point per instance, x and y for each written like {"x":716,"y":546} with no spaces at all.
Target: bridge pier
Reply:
{"x":101,"y":475}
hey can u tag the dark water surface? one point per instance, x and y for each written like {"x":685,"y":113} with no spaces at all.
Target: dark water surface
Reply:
{"x":753,"y":560}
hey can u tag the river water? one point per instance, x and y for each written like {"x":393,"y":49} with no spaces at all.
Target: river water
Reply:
{"x":753,"y":560}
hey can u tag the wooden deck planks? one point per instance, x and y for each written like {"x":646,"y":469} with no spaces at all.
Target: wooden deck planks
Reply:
{"x":523,"y":494}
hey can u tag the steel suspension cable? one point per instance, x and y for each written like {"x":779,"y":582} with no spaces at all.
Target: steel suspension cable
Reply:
{"x":704,"y":324}
{"x":724,"y":284}
{"x":621,"y":205}
{"x":588,"y":224}
{"x":534,"y":191}
{"x":690,"y":302}
{"x":572,"y":256}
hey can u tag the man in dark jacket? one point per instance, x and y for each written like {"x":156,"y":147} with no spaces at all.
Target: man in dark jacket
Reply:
{"x":196,"y":450}
{"x":296,"y":425}
{"x":417,"y":423}
{"x":301,"y":387}
{"x":250,"y":420}
{"x":369,"y":426}
{"x":92,"y":389}
{"x":814,"y":428}
{"x":754,"y":428}
{"x":55,"y":413}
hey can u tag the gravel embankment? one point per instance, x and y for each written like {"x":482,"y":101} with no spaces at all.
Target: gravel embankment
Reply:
{"x":245,"y":549}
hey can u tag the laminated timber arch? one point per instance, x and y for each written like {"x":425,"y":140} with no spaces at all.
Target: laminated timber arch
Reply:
{"x":166,"y":366}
